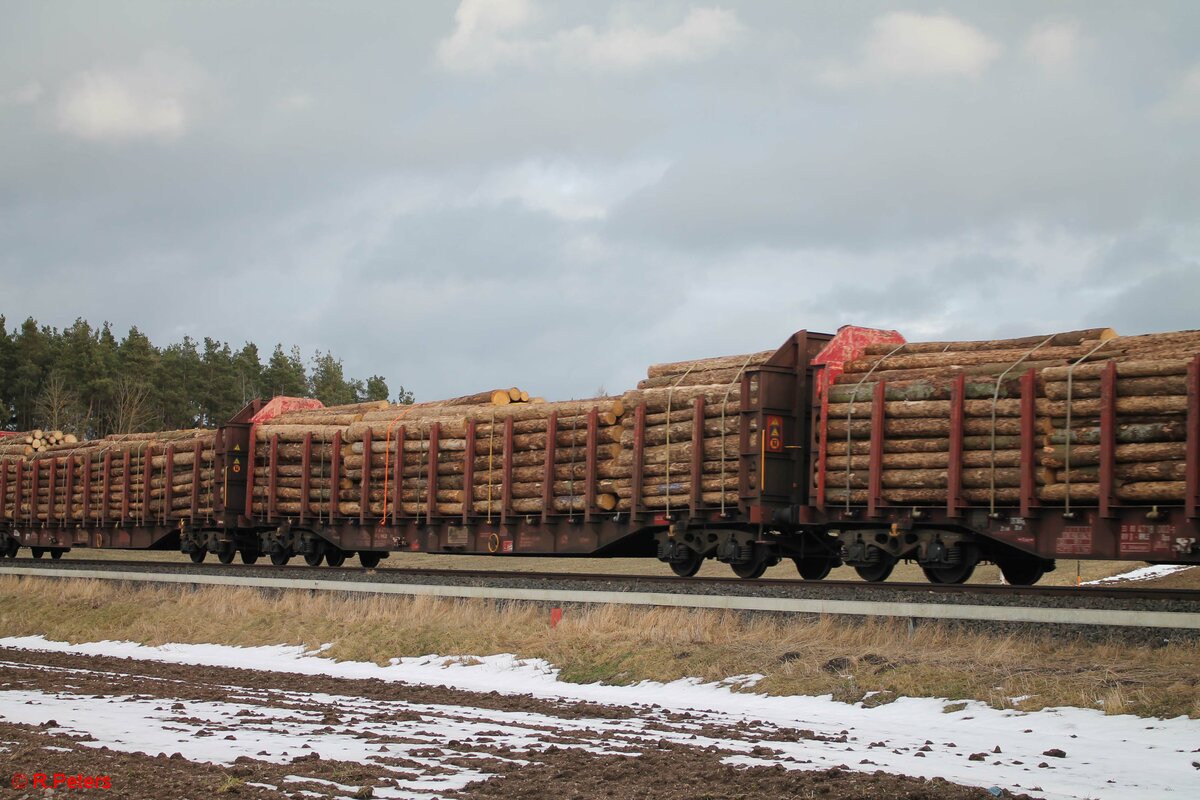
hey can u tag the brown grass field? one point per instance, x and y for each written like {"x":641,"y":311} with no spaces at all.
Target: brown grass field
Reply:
{"x":844,"y":657}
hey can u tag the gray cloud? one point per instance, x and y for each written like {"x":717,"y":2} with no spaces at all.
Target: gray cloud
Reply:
{"x":589,"y":188}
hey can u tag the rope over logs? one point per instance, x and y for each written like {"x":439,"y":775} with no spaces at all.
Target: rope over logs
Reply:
{"x":1150,"y":406}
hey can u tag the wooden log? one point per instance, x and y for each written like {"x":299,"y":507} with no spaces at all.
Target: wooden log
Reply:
{"x":924,"y":389}
{"x":1066,"y":339}
{"x":1125,"y":369}
{"x":945,"y":373}
{"x":1173,"y":431}
{"x":1008,"y":358}
{"x":1145,"y":492}
{"x":675,"y":501}
{"x":680,"y":487}
{"x":560,"y":505}
{"x":858,"y":497}
{"x":657,"y":400}
{"x":355,"y":408}
{"x":977,"y":478}
{"x":294,"y":451}
{"x":681,"y":431}
{"x":404,"y":415}
{"x":1137,"y":471}
{"x":495,"y":397}
{"x":709,"y":364}
{"x":608,"y":443}
{"x":918,"y":428}
{"x":695,"y":378}
{"x":924,"y":409}
{"x":457,"y":427}
{"x":1126,"y":387}
{"x":1154,"y":405}
{"x":682,"y":452}
{"x":938,"y":460}
{"x":1160,"y":340}
{"x":182,"y":458}
{"x":162,"y":436}
{"x":1087,"y":455}
{"x":297,"y":433}
{"x":313,"y":419}
{"x":711,"y":410}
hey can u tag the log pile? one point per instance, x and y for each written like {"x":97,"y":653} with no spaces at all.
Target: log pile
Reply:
{"x":400,"y":449}
{"x":29,"y":442}
{"x":1150,"y":416}
{"x":668,"y":395}
{"x":69,"y":481}
{"x":290,"y":431}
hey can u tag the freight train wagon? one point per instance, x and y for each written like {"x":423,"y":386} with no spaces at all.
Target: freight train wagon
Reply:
{"x":796,"y":459}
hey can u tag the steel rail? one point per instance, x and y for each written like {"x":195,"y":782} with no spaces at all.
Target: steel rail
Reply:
{"x":1073,"y":616}
{"x":1095,"y":591}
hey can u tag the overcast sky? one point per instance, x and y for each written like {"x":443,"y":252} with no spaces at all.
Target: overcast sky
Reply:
{"x":555,"y":194}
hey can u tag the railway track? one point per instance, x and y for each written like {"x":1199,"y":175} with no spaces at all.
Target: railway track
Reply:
{"x":1102,"y":607}
{"x":668,"y":583}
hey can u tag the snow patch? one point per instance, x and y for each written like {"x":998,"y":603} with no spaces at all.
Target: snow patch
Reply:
{"x":1107,"y":756}
{"x":1140,"y":574}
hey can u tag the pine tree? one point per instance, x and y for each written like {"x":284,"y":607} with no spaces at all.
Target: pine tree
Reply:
{"x":284,"y":375}
{"x":328,"y":383}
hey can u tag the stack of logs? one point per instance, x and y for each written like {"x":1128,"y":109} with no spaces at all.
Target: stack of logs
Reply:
{"x":29,"y":442}
{"x":409,"y":428}
{"x":51,"y":484}
{"x":326,"y":426}
{"x":393,"y":443}
{"x":669,"y":394}
{"x":1150,"y":415}
{"x":1151,"y":421}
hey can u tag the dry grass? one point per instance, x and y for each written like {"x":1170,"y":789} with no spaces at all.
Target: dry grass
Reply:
{"x":845,"y":658}
{"x":1066,"y":574}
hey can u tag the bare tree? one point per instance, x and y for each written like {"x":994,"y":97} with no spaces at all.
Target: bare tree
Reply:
{"x":131,"y":411}
{"x":57,"y":405}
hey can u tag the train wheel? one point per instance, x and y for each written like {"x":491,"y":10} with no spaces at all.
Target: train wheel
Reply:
{"x":368,"y":559}
{"x":335,"y":557}
{"x":689,"y":566}
{"x":314,"y":559}
{"x":878,"y":571}
{"x":226,"y":553}
{"x":10,"y":550}
{"x":280,"y":558}
{"x":751,"y":570}
{"x":813,"y":568}
{"x":57,"y":553}
{"x":1022,"y":571}
{"x":959,"y":573}
{"x":198,"y":556}
{"x":249,"y":556}
{"x":37,"y":552}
